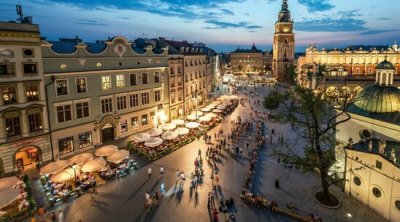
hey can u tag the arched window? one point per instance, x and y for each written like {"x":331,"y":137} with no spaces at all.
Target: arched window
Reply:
{"x":286,"y":41}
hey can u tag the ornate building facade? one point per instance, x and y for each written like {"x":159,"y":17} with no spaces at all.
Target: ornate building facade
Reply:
{"x":352,"y":68}
{"x":24,"y":129}
{"x":247,"y":61}
{"x":284,"y":43}
{"x":102,"y":91}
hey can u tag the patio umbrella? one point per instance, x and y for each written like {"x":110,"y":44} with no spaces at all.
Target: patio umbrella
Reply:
{"x":204,"y":119}
{"x":106,"y":150}
{"x":93,"y":165}
{"x":62,"y":176}
{"x":155,"y":132}
{"x":170,"y":135}
{"x":211,"y":106}
{"x":7,"y":193}
{"x":182,"y":131}
{"x":141,"y":137}
{"x":233,"y":97}
{"x":54,"y":167}
{"x":211,"y":115}
{"x":80,"y":158}
{"x":168,"y":126}
{"x":192,"y":125}
{"x":221,"y":107}
{"x":192,"y":117}
{"x":216,"y":103}
{"x":224,"y":97}
{"x":153,"y":142}
{"x":199,"y":113}
{"x":217,"y":111}
{"x":178,"y":121}
{"x":206,"y":109}
{"x":118,"y":156}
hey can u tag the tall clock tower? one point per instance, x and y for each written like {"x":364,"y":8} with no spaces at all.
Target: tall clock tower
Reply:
{"x":283,"y":49}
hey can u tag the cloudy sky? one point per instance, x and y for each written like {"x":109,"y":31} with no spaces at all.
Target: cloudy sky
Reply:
{"x":222,"y":24}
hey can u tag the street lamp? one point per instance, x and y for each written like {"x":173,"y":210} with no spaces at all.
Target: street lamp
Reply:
{"x":75,"y":167}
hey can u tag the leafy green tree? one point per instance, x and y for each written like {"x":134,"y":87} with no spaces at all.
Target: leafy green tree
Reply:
{"x":313,"y":117}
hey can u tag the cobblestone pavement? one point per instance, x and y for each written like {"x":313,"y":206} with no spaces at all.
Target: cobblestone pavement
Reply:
{"x":123,"y":199}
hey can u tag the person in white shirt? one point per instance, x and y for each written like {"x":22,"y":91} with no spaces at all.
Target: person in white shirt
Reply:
{"x":149,"y":173}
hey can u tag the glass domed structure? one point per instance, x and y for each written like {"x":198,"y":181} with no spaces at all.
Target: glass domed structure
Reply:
{"x":380,"y":101}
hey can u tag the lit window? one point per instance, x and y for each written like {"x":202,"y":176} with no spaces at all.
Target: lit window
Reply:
{"x":32,"y":93}
{"x":145,"y":119}
{"x":61,"y":87}
{"x":134,"y":122}
{"x":124,"y":125}
{"x":106,"y":82}
{"x":120,"y":81}
{"x":9,"y":95}
{"x":81,"y":85}
{"x":66,"y":145}
{"x":85,"y":140}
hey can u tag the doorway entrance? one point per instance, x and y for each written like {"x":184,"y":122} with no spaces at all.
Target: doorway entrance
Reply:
{"x":27,"y":158}
{"x":107,"y":133}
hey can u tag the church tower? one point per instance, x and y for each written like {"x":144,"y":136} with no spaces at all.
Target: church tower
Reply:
{"x":283,"y":48}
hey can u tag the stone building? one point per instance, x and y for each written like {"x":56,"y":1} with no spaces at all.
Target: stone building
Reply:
{"x":371,"y":140}
{"x":98,"y":92}
{"x":24,"y":129}
{"x":249,"y":61}
{"x":284,"y":43}
{"x":351,"y":68}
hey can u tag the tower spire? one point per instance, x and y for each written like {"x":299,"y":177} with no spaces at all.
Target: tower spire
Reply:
{"x":284,"y":5}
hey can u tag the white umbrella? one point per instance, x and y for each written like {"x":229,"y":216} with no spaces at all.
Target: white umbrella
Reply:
{"x":204,"y":119}
{"x":192,"y":125}
{"x":141,"y":137}
{"x":233,"y":97}
{"x":224,"y":97}
{"x":170,"y":135}
{"x":182,"y":131}
{"x":206,"y":109}
{"x":211,"y":106}
{"x":168,"y":126}
{"x":80,"y":158}
{"x":54,"y":167}
{"x":227,"y":103}
{"x":155,"y":132}
{"x":199,"y":113}
{"x":153,"y":142}
{"x":221,"y":107}
{"x":93,"y":165}
{"x":106,"y":150}
{"x":7,"y":193}
{"x":211,"y":115}
{"x":178,"y":121}
{"x":216,"y":103}
{"x":118,"y":156}
{"x":217,"y":111}
{"x":192,"y":117}
{"x":65,"y":175}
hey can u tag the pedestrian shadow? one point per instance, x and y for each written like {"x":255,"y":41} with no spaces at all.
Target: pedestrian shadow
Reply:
{"x":136,"y":192}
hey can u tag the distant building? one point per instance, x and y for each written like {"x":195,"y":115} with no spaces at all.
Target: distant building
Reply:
{"x":247,"y":61}
{"x":371,"y":141}
{"x":24,"y":128}
{"x":102,"y":91}
{"x":284,"y":43}
{"x":351,"y":68}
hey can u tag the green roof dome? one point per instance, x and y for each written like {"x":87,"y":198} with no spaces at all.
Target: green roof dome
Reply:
{"x":385,"y":65}
{"x":379,"y":99}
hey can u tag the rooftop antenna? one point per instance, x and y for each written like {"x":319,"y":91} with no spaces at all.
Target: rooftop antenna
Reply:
{"x":19,"y":12}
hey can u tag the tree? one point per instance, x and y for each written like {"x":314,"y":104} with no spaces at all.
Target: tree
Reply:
{"x":314,"y":118}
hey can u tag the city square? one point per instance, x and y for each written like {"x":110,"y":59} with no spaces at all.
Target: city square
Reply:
{"x":156,"y":129}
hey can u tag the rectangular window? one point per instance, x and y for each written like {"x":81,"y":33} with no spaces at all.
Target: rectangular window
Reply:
{"x":134,"y":122}
{"x":82,"y":109}
{"x":106,"y":82}
{"x":156,"y":77}
{"x":157,"y":95}
{"x":124,"y":126}
{"x":121,"y":102}
{"x":32,"y":93}
{"x":62,"y":87}
{"x":179,"y":95}
{"x":370,"y":71}
{"x":145,"y":98}
{"x":134,"y":100}
{"x":179,"y":69}
{"x":133,"y":79}
{"x":7,"y":69}
{"x":120,"y":79}
{"x":85,"y":140}
{"x":66,"y":145}
{"x":35,"y":122}
{"x":30,"y":68}
{"x":106,"y":105}
{"x":172,"y":83}
{"x":80,"y":85}
{"x":179,"y":81}
{"x":378,"y":164}
{"x":172,"y":97}
{"x":63,"y":113}
{"x":171,"y":70}
{"x":9,"y":95}
{"x":144,"y":78}
{"x":145,"y":119}
{"x":13,"y":126}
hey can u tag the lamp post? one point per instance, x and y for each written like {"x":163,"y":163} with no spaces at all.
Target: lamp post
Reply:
{"x":75,"y":167}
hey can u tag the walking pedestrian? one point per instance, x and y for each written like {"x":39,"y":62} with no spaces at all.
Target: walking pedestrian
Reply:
{"x":93,"y":194}
{"x":199,"y":153}
{"x":147,"y":197}
{"x":162,"y":172}
{"x":178,"y":175}
{"x":149,"y":172}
